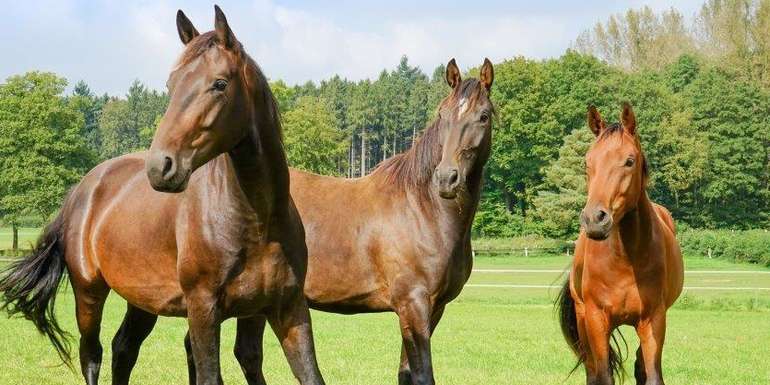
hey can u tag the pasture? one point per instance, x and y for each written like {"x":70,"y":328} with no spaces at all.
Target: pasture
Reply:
{"x":501,"y":330}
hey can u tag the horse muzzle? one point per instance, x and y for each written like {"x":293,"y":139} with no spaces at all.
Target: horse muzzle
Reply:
{"x":597,"y":223}
{"x":447,"y":180}
{"x":166,"y":173}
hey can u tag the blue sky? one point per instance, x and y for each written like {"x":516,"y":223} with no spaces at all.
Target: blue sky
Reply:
{"x":109,"y":43}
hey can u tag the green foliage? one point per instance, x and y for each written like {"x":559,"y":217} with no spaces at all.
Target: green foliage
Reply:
{"x":312,"y":140}
{"x":127,"y":125}
{"x":42,"y":150}
{"x":558,"y":205}
{"x":738,"y":246}
{"x":494,"y":220}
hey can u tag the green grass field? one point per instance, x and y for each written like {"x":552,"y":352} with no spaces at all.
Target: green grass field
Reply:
{"x":494,"y":333}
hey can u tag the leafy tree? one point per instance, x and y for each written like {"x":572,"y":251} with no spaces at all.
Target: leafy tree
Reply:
{"x":123,"y":121}
{"x":558,"y":204}
{"x":312,"y":141}
{"x":90,"y":106}
{"x":42,"y":151}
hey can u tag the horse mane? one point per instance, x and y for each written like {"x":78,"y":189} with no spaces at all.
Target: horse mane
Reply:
{"x":414,"y":168}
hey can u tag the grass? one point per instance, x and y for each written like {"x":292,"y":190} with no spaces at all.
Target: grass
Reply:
{"x":27,"y":236}
{"x":488,"y":336}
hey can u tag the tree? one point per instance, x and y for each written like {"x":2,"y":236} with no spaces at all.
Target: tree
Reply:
{"x":42,"y":151}
{"x":128,"y":125}
{"x":558,"y":204}
{"x":312,"y":140}
{"x":90,"y":106}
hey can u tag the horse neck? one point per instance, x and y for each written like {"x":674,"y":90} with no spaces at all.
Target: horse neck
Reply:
{"x":260,"y":164}
{"x":635,"y":229}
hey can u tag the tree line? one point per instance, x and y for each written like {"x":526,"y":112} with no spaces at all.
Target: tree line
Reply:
{"x":703,"y":108}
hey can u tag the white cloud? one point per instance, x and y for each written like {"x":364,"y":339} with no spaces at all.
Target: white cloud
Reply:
{"x":109,"y":43}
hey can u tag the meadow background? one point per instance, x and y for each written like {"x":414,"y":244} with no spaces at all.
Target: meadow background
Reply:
{"x":700,"y":87}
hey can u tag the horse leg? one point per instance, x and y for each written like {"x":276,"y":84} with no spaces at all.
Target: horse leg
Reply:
{"x":652,"y":334}
{"x":203,"y":337}
{"x":598,"y":336}
{"x":292,"y":326}
{"x":588,"y":359}
{"x":414,"y":314}
{"x":248,"y":348}
{"x":404,"y":373}
{"x":137,"y":325}
{"x":89,"y":304}
{"x":639,"y":374}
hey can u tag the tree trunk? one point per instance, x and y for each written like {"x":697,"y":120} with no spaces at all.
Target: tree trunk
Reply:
{"x":15,"y":244}
{"x":363,"y":151}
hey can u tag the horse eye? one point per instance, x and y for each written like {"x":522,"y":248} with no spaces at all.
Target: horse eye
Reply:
{"x":220,"y":84}
{"x":629,"y":162}
{"x":484,"y":118}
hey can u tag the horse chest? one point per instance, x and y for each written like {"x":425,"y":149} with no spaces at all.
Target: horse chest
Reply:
{"x":262,"y":275}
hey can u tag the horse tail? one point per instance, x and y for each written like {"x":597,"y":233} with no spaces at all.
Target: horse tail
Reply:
{"x":28,"y":287}
{"x":565,"y":305}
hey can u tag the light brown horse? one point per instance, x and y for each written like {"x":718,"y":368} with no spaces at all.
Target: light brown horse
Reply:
{"x":628,"y":268}
{"x":229,"y":244}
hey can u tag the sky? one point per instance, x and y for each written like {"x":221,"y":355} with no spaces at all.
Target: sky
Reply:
{"x":110,"y":43}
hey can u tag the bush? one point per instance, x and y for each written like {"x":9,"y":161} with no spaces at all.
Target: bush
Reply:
{"x":751,"y":246}
{"x":494,"y":220}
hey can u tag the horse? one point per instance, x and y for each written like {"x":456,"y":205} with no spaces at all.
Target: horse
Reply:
{"x":398,"y":239}
{"x":628,"y":267}
{"x":201,"y":226}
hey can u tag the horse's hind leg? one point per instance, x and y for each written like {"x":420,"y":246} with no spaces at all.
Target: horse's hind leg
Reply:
{"x":89,"y":304}
{"x":639,"y":374}
{"x":137,"y":325}
{"x":248,"y":348}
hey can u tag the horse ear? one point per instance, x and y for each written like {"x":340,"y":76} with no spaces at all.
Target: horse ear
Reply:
{"x":595,"y":122}
{"x":487,"y":74}
{"x":224,"y":35}
{"x":628,"y":118}
{"x":452,"y":74}
{"x":185,"y":27}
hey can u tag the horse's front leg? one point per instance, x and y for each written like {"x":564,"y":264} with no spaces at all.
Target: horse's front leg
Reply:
{"x":652,"y":334}
{"x":204,"y":321}
{"x":404,"y":372}
{"x":414,"y":315}
{"x":597,"y":331}
{"x":291,"y":324}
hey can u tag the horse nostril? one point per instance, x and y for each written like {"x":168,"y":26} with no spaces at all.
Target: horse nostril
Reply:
{"x":168,"y":165}
{"x":600,"y":216}
{"x":453,"y":176}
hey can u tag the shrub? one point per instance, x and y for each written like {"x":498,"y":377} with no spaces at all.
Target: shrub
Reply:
{"x":751,"y":246}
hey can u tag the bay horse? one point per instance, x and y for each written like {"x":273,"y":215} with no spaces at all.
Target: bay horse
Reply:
{"x":229,"y":243}
{"x":628,"y":267}
{"x":399,"y":239}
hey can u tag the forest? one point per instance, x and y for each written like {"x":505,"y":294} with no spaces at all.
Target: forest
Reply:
{"x":700,"y":86}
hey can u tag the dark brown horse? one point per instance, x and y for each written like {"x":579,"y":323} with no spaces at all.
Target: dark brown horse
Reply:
{"x":628,"y":267}
{"x":229,"y":244}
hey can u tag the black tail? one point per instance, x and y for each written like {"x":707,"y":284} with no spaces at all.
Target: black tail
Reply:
{"x":28,"y":287}
{"x":565,"y":305}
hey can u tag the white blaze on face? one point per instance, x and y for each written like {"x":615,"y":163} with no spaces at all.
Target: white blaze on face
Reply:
{"x":462,"y":107}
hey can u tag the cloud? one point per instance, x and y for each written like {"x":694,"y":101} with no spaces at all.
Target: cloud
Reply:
{"x":109,"y":44}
